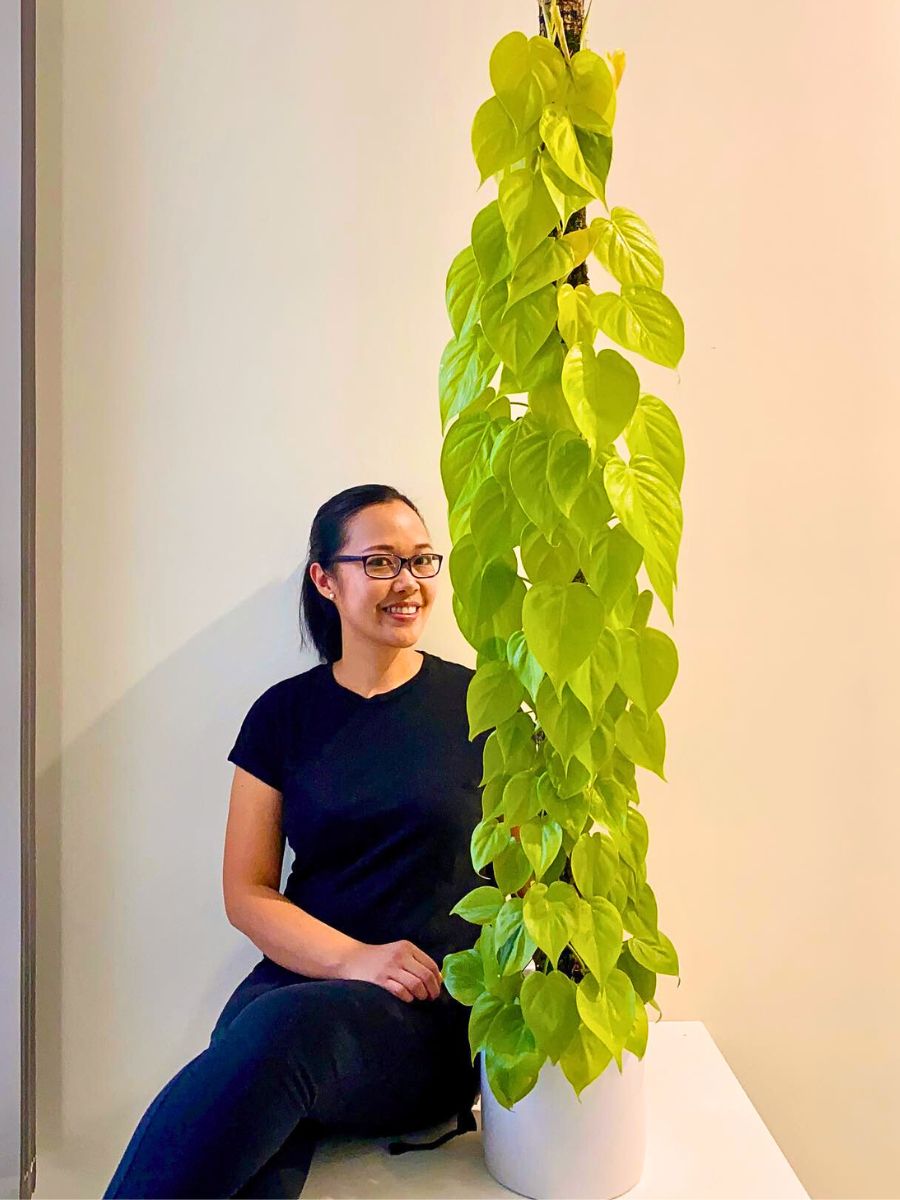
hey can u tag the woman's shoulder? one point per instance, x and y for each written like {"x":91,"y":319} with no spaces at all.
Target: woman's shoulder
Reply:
{"x":286,"y":691}
{"x":451,"y":668}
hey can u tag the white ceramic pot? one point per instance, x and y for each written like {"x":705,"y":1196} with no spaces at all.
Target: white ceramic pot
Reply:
{"x":549,"y":1146}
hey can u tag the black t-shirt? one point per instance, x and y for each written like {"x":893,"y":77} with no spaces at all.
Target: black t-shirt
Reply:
{"x":380,"y":796}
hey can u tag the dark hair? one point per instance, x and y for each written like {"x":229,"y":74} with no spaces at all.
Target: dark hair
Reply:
{"x":327,"y":537}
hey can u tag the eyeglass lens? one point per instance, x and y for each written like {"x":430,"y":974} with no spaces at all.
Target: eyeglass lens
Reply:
{"x":385,"y":566}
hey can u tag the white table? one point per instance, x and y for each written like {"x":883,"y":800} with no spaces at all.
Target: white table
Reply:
{"x":705,"y":1141}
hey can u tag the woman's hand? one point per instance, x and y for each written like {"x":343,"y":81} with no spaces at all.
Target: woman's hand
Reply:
{"x":401,"y":968}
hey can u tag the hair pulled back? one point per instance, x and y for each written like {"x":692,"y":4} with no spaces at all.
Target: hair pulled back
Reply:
{"x":320,"y":622}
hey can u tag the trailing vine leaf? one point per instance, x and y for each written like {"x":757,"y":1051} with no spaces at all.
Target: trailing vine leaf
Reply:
{"x":642,"y":319}
{"x":627,"y":248}
{"x":653,"y":430}
{"x":566,"y":150}
{"x":646,"y":501}
{"x":527,"y":211}
{"x":464,"y":290}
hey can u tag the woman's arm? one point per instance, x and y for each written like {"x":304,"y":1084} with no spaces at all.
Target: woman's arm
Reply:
{"x":251,"y":875}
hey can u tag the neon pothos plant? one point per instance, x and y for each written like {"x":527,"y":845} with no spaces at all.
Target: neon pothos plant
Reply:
{"x":584,"y":482}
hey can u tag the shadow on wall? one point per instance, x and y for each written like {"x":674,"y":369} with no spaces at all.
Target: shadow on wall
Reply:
{"x":135,"y":954}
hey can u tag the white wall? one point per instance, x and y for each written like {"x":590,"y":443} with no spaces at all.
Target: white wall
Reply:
{"x":246,"y":214}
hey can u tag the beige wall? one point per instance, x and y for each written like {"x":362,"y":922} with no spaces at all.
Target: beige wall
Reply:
{"x":246,"y":214}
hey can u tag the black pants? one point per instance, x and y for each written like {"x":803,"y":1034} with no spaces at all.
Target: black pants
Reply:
{"x":292,"y":1057}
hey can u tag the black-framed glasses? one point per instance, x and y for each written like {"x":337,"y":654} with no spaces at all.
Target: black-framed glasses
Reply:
{"x":388,"y":566}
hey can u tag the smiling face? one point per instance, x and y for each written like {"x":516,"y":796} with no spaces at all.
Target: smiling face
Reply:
{"x":391,"y":527}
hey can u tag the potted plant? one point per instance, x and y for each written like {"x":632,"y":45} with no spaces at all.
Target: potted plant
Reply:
{"x":562,"y":480}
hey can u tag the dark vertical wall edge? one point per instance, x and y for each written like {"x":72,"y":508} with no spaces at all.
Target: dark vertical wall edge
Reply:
{"x":28,"y":1161}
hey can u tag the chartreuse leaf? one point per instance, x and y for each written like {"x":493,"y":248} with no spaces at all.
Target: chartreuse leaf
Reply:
{"x":585,"y":1058}
{"x":512,"y":870}
{"x":465,"y":457}
{"x":544,"y":367}
{"x":545,"y":562}
{"x":495,"y":141}
{"x":487,"y":586}
{"x":591,"y":95}
{"x":610,"y":562}
{"x":594,"y":867}
{"x":526,"y":73}
{"x":546,"y":400}
{"x":528,"y":466}
{"x":654,"y":431}
{"x":657,"y":953}
{"x":636,"y":1041}
{"x":514,"y":739}
{"x":527,"y":212}
{"x":520,"y":797}
{"x":595,"y":677}
{"x":567,"y":779}
{"x":616,"y":61}
{"x":515,"y":946}
{"x":513,"y":81}
{"x":492,"y":797}
{"x":633,"y":847}
{"x":489,"y":244}
{"x":484,"y":1009}
{"x":463,"y":973}
{"x":511,"y":1058}
{"x":463,"y":291}
{"x":550,"y":1010}
{"x":662,"y":579}
{"x":541,"y":838}
{"x":489,"y":837}
{"x":598,"y":939}
{"x":494,"y":693}
{"x":596,"y":150}
{"x":615,"y":801}
{"x":644,"y":320}
{"x":647,"y":502}
{"x":592,"y":505}
{"x":568,"y":466}
{"x":516,"y":333}
{"x":548,"y":67}
{"x":480,"y":905}
{"x":491,"y":519}
{"x":468,"y":364}
{"x":608,"y":1009}
{"x":523,"y":662}
{"x":553,"y":259}
{"x":561,"y":623}
{"x":551,"y":916}
{"x":566,"y":195}
{"x":566,"y":721}
{"x":627,"y":248}
{"x":505,"y":987}
{"x":601,"y":391}
{"x":570,"y":812}
{"x":565,"y":148}
{"x":640,"y":916}
{"x":649,"y":666}
{"x":576,"y":314}
{"x":643,"y":739}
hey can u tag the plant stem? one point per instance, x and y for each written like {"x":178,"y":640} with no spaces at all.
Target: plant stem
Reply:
{"x":587,"y":13}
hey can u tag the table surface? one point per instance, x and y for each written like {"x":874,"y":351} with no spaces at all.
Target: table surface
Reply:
{"x":705,"y":1141}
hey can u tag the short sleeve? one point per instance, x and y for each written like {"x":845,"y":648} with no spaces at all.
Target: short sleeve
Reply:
{"x":259,"y":746}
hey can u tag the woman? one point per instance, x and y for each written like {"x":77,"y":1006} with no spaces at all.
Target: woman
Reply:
{"x":364,"y":764}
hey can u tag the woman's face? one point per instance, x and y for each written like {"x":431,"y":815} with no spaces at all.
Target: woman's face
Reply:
{"x":391,"y":527}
